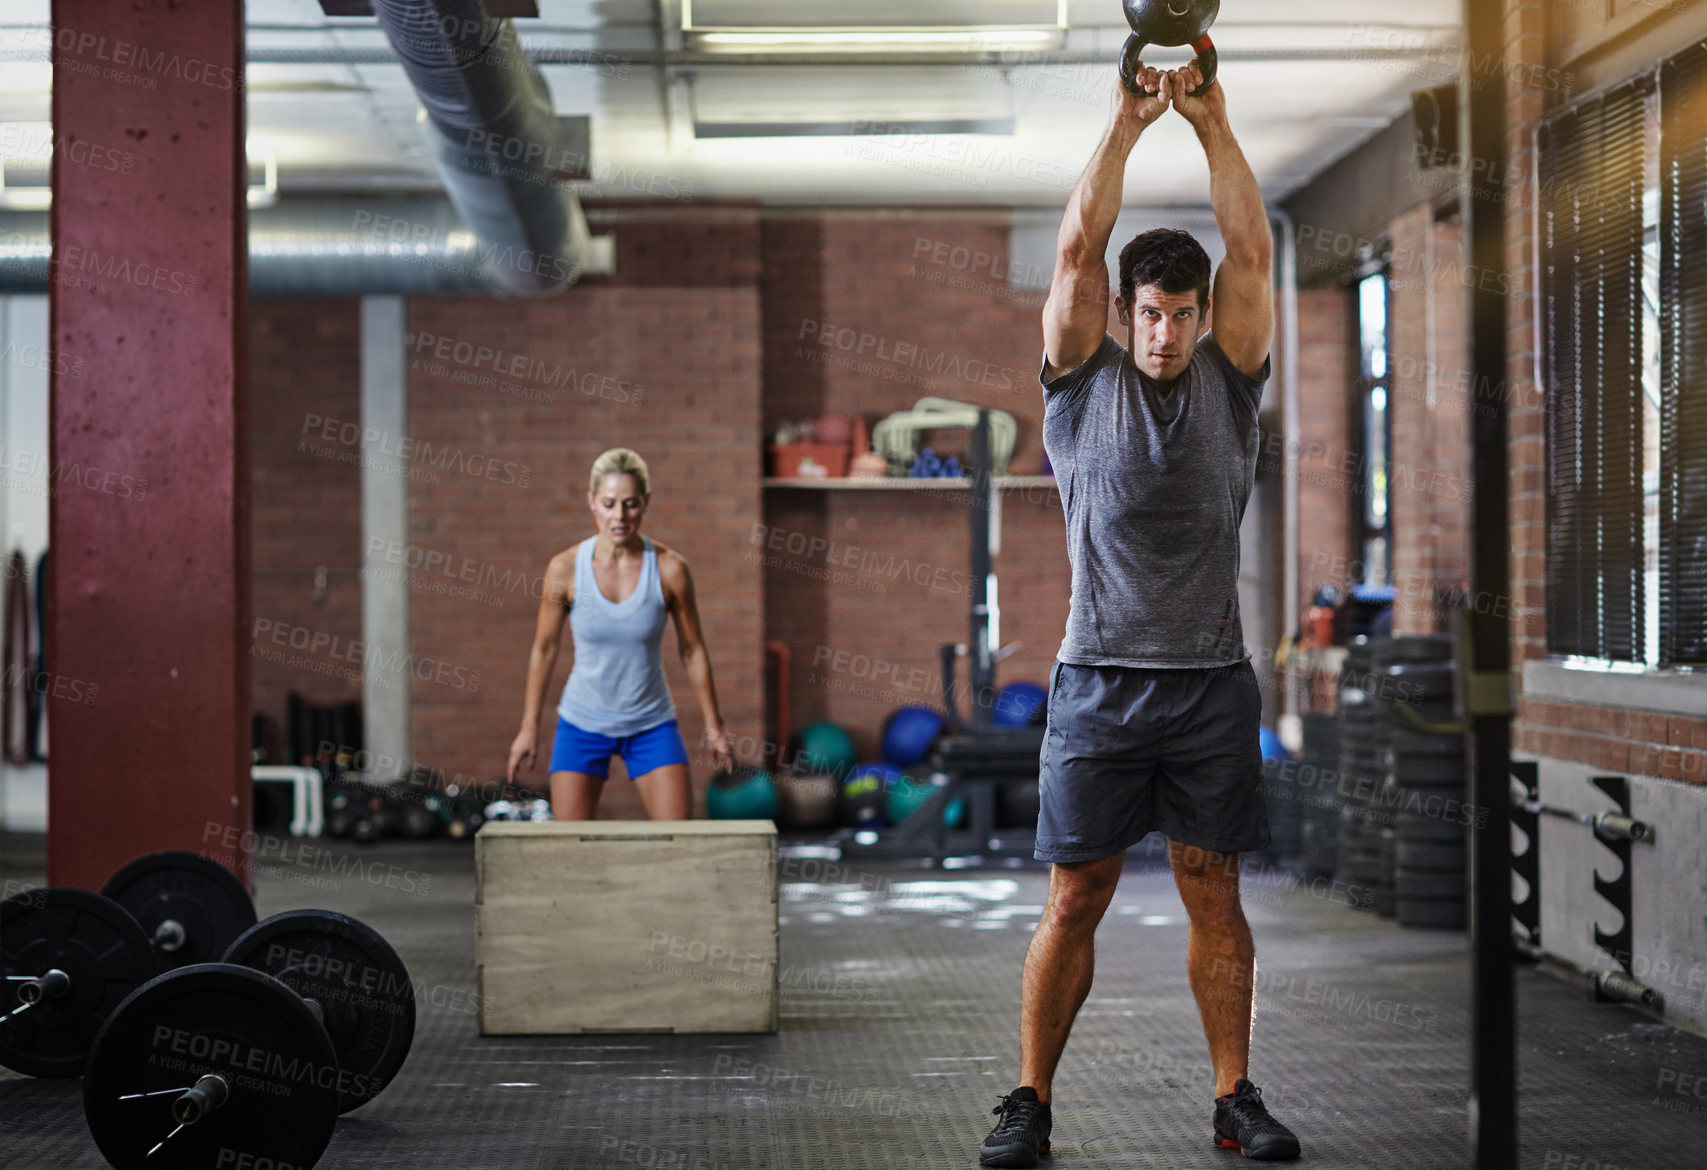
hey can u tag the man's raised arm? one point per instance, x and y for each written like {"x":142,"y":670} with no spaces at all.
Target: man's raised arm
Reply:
{"x":1075,"y":317}
{"x":1242,"y":303}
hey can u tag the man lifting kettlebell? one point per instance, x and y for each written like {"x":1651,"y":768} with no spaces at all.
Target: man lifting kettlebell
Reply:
{"x":1153,"y":703}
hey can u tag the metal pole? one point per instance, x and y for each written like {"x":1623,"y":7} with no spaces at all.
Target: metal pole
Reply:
{"x":1291,"y":414}
{"x":1487,"y":689}
{"x":983,"y":669}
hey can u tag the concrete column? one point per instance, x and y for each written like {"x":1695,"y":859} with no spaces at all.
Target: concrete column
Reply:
{"x":148,"y":640}
{"x":385,"y":538}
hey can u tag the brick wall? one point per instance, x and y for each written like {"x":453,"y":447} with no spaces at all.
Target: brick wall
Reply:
{"x":865,"y":314}
{"x":1328,"y":496}
{"x":1647,"y":743}
{"x":304,"y":367}
{"x":1429,"y":466}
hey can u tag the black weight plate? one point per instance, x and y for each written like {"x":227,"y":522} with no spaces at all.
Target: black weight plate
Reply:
{"x":1415,"y":828}
{"x":198,"y":893}
{"x":1408,"y":769}
{"x":1414,"y":743}
{"x":1432,"y":855}
{"x":1447,"y":913}
{"x":1429,"y":710}
{"x":1447,"y":802}
{"x":96,"y":944}
{"x":234,"y":1023}
{"x":1422,"y":884}
{"x":362,"y":986}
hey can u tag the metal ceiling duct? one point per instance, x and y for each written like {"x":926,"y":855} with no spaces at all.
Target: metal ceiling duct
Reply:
{"x":342,"y":247}
{"x":495,"y":141}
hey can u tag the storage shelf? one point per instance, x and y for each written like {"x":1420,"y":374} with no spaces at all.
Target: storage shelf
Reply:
{"x":903,"y":484}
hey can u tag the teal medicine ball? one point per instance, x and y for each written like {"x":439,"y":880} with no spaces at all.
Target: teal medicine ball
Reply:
{"x":825,"y":749}
{"x":908,"y":793}
{"x":747,"y":794}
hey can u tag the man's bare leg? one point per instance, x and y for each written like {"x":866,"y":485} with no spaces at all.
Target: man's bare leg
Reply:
{"x":1060,"y":962}
{"x":1220,"y":956}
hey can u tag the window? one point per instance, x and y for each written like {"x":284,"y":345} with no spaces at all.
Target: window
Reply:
{"x":1593,"y":179}
{"x":1375,"y":426}
{"x":1624,"y":301}
{"x":1682,"y":496}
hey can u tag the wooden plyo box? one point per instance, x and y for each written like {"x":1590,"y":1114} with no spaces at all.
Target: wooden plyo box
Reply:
{"x":626,"y":926}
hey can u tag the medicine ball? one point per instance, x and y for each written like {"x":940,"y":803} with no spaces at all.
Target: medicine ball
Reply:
{"x":746,"y":794}
{"x":825,"y":749}
{"x":909,"y":792}
{"x":1016,"y":703}
{"x":908,"y":734}
{"x":865,"y":796}
{"x":806,"y":802}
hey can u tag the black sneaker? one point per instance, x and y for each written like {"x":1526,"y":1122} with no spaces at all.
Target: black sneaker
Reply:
{"x":1242,"y":1123}
{"x":1022,"y":1133}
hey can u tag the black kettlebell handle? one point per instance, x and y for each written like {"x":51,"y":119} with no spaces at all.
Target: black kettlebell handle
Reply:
{"x":1131,"y":64}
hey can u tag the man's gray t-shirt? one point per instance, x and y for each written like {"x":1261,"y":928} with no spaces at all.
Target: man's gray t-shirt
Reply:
{"x":1154,"y":488}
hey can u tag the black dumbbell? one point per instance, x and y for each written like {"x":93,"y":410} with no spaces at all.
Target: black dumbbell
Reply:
{"x":253,"y":1059}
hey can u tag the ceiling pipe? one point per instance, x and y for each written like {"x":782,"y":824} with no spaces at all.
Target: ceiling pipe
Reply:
{"x":490,"y":129}
{"x":336,"y":247}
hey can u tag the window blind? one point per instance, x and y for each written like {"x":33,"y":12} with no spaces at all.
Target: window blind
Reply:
{"x":1592,"y":157}
{"x":1683,"y":359}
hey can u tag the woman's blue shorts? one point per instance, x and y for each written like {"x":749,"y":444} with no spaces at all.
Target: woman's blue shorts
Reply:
{"x":576,"y":750}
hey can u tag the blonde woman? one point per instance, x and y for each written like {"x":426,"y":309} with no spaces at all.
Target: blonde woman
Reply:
{"x":617,"y":587}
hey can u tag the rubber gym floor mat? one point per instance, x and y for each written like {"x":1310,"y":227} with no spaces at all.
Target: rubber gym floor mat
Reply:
{"x":899,"y":1031}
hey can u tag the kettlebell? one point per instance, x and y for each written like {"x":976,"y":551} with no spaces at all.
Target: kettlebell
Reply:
{"x":1169,"y":22}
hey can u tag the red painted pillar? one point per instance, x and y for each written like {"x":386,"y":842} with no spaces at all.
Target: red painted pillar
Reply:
{"x":148,"y":685}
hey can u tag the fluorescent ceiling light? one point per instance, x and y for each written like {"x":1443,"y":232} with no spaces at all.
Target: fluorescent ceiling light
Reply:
{"x":889,"y":37}
{"x":773,"y":102}
{"x":875,"y":40}
{"x":852,"y":129}
{"x":31,"y":197}
{"x":260,"y":151}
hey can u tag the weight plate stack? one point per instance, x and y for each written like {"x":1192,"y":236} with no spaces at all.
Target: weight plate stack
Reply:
{"x":1282,"y":796}
{"x":1319,"y":788}
{"x":1431,"y":877}
{"x":1442,"y":913}
{"x":1386,"y":893}
{"x":190,"y":905}
{"x":360,"y":984}
{"x":280,"y":1073}
{"x":1360,"y":717}
{"x":103,"y":955}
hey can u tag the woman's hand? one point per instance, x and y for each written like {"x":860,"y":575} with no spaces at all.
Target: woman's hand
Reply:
{"x":522,"y":752}
{"x":717,"y":739}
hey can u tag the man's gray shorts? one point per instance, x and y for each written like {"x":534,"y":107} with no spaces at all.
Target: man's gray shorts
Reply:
{"x":1129,"y":750}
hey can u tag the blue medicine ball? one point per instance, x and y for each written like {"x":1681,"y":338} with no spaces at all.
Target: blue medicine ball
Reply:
{"x":1016,"y":703}
{"x":908,"y":734}
{"x":1272,"y":748}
